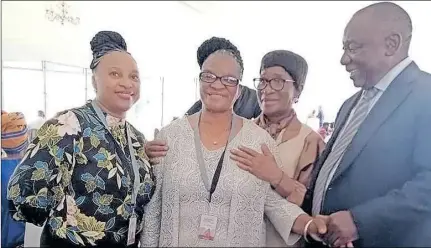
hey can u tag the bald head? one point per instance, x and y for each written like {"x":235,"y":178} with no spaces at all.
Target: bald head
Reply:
{"x":375,"y":40}
{"x":387,"y":18}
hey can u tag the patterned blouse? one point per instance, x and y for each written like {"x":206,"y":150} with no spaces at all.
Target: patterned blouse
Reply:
{"x":70,"y":178}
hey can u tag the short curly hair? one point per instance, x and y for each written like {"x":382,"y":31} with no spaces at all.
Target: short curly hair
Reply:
{"x":215,"y":44}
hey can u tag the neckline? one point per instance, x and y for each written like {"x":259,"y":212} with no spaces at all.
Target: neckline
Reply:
{"x":189,"y":126}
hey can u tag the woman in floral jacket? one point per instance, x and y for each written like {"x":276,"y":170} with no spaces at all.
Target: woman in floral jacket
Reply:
{"x":86,"y":173}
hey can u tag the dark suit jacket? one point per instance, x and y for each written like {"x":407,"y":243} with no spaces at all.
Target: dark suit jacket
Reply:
{"x":384,"y":178}
{"x":246,"y":106}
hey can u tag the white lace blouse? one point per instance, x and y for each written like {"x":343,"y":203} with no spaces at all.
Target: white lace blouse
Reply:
{"x":240,"y":200}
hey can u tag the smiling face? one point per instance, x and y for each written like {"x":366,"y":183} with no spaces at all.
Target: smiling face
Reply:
{"x":117,"y":83}
{"x":272,"y":102}
{"x":365,"y":51}
{"x":218,"y":97}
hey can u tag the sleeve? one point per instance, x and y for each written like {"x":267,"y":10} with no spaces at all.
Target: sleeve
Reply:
{"x":279,"y":211}
{"x":37,"y":184}
{"x":313,"y":147}
{"x":412,"y":199}
{"x":153,"y":210}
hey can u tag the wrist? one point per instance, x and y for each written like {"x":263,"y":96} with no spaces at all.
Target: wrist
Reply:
{"x":300,"y":223}
{"x":277,"y":178}
{"x":305,"y":233}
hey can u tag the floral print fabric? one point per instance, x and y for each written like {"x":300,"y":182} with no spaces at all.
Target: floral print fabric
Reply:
{"x":78,"y":176}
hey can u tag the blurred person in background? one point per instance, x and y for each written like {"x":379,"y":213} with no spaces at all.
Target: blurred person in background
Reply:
{"x":86,"y":173}
{"x":14,"y":141}
{"x":312,"y":120}
{"x":324,"y":130}
{"x":320,"y":115}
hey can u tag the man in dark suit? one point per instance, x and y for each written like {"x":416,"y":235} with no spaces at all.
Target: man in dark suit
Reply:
{"x":373,"y":186}
{"x":245,"y":106}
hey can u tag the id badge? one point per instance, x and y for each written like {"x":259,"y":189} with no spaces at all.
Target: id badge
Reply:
{"x":207,"y":227}
{"x":131,"y":234}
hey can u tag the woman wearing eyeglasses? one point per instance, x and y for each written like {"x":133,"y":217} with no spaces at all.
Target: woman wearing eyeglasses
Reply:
{"x":202,"y":198}
{"x":282,"y":78}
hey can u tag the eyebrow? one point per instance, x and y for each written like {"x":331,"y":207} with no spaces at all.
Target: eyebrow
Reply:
{"x":118,"y":68}
{"x":228,"y":75}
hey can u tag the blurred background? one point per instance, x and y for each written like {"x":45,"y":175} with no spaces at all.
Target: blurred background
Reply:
{"x":46,"y":49}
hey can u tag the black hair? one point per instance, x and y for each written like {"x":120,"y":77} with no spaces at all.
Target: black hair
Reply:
{"x":104,"y":42}
{"x":215,"y":44}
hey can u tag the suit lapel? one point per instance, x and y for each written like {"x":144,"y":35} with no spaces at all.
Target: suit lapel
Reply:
{"x":394,"y":95}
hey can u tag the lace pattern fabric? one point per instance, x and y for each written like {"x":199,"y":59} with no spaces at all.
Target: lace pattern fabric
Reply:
{"x":240,"y":200}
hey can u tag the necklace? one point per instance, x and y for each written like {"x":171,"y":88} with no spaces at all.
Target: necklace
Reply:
{"x":215,"y":142}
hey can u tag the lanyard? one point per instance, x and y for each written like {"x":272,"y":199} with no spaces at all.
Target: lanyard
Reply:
{"x":201,"y":162}
{"x":135,"y":166}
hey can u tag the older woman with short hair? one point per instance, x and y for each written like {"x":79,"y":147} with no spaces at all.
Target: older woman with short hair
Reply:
{"x":281,"y":81}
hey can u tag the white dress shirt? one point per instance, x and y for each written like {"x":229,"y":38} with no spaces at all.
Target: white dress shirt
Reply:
{"x":382,"y":85}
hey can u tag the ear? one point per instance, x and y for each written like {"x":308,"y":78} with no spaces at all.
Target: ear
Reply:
{"x":393,"y":43}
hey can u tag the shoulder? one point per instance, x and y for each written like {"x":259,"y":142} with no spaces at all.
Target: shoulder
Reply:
{"x":422,"y":87}
{"x":68,"y":121}
{"x":175,"y":128}
{"x":313,"y":136}
{"x":259,"y":134}
{"x":63,"y":123}
{"x":139,"y":136}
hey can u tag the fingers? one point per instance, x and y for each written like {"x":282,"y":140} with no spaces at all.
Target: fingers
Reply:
{"x":241,"y":154}
{"x":341,"y":243}
{"x":265,"y":150}
{"x":241,"y":160}
{"x":249,"y":151}
{"x":324,"y":218}
{"x":154,"y":161}
{"x":156,"y":143}
{"x":156,"y":154}
{"x":320,"y":226}
{"x":156,"y":148}
{"x":243,"y":167}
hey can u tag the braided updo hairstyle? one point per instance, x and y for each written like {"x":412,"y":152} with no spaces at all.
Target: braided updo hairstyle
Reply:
{"x":104,"y":42}
{"x":216,"y":44}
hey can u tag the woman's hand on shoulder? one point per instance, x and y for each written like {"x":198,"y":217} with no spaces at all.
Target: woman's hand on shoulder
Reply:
{"x":262,"y":165}
{"x":156,"y":149}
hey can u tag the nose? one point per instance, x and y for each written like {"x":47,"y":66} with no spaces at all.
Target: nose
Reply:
{"x":217,"y":84}
{"x":345,"y":59}
{"x":127,"y":83}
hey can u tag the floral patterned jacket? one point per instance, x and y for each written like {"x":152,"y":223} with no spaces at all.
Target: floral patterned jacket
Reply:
{"x":70,"y":178}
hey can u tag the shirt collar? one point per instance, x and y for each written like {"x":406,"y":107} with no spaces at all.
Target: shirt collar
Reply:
{"x":114,"y":121}
{"x":384,"y":83}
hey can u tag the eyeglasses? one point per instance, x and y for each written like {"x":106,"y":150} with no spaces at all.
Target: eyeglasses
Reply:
{"x":276,"y":84}
{"x":208,"y":77}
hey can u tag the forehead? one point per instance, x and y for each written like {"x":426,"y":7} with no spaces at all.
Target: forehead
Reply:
{"x":360,"y":28}
{"x":222,"y":63}
{"x":118,"y":59}
{"x":276,"y":72}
